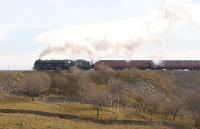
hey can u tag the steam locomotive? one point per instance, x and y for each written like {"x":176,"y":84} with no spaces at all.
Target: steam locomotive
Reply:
{"x":62,"y":64}
{"x":117,"y":64}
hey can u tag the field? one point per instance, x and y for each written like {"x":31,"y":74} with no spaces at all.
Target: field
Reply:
{"x":24,"y":121}
{"x":31,"y":121}
{"x":18,"y":121}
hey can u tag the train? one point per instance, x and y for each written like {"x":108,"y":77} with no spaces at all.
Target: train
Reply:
{"x":117,"y":64}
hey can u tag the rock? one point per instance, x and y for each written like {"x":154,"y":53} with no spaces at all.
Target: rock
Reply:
{"x":21,"y":124}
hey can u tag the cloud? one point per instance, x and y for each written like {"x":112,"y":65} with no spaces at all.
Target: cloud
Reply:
{"x":5,"y":30}
{"x":52,"y":1}
{"x":136,"y":2}
{"x":182,"y":55}
{"x":120,"y":38}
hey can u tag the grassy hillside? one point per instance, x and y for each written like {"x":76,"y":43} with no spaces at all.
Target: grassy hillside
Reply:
{"x":135,"y":84}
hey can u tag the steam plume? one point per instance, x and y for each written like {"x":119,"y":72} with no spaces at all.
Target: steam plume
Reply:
{"x":120,"y":38}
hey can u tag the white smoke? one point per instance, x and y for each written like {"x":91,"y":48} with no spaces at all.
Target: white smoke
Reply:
{"x":121,"y":38}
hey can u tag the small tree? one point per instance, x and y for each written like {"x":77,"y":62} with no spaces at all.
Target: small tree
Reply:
{"x":99,"y":99}
{"x":95,"y":95}
{"x":116,"y":88}
{"x":36,"y":83}
{"x":133,"y":105}
{"x":174,"y":107}
{"x":100,"y":77}
{"x":152,"y":104}
{"x":68,"y":84}
{"x":193,"y":105}
{"x":130,"y":109}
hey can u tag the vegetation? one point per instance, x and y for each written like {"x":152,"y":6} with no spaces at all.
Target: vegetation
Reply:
{"x":35,"y":84}
{"x":152,"y":104}
{"x":193,"y":105}
{"x":115,"y":95}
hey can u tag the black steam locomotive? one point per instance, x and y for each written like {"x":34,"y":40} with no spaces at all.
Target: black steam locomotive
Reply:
{"x":117,"y":64}
{"x":61,"y":64}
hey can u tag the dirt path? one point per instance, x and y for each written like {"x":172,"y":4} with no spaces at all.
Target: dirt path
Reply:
{"x":91,"y":119}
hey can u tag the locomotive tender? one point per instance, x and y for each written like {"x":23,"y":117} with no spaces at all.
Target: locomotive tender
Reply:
{"x":117,"y":64}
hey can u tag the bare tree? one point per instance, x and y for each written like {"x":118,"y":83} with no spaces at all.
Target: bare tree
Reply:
{"x":174,"y":107}
{"x":117,"y":97}
{"x":59,"y":82}
{"x":101,"y":76}
{"x":67,"y":84}
{"x":130,"y":109}
{"x":36,"y":83}
{"x":72,"y":86}
{"x":152,"y":103}
{"x":193,"y":105}
{"x":133,"y":105}
{"x":8,"y":83}
{"x":94,"y":94}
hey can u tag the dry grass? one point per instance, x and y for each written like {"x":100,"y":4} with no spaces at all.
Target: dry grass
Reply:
{"x":18,"y":121}
{"x":87,"y":110}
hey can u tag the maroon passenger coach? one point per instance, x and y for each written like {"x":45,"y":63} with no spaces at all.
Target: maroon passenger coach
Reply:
{"x":148,"y":64}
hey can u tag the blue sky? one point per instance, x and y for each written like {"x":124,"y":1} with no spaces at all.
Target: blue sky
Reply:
{"x":23,"y":21}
